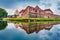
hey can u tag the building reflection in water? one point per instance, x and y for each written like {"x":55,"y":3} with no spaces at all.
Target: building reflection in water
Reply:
{"x":36,"y":27}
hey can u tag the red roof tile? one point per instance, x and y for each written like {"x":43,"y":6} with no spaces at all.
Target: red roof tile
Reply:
{"x":47,"y":10}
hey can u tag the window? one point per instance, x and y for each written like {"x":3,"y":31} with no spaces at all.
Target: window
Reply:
{"x":35,"y":10}
{"x":32,"y":15}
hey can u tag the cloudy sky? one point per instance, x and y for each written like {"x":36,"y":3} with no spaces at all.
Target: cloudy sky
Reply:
{"x":12,"y":5}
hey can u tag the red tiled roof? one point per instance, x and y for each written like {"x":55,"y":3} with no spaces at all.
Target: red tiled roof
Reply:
{"x":47,"y":10}
{"x":22,"y":11}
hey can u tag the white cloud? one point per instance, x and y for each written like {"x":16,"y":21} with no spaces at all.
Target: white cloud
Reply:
{"x":10,"y":11}
{"x":50,"y":4}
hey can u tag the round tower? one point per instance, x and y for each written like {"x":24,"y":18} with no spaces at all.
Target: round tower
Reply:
{"x":16,"y":12}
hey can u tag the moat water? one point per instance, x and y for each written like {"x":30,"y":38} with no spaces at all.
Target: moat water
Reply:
{"x":29,"y":31}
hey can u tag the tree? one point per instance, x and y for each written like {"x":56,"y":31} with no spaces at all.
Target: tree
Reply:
{"x":3,"y":13}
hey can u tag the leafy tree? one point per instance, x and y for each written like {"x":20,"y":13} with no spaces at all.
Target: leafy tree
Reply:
{"x":3,"y":13}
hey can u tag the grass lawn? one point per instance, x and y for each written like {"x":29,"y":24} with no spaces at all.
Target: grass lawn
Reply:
{"x":31,"y":19}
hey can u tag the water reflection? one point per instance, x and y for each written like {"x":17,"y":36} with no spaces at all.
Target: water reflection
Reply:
{"x":30,"y":31}
{"x":36,"y":27}
{"x":3,"y":25}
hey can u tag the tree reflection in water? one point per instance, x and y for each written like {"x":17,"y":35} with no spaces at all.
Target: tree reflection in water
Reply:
{"x":3,"y":25}
{"x":36,"y":27}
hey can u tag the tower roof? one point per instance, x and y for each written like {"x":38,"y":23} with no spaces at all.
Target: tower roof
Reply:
{"x":16,"y":11}
{"x":37,"y":7}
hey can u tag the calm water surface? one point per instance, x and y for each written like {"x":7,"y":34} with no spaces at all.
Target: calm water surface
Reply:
{"x":29,"y":31}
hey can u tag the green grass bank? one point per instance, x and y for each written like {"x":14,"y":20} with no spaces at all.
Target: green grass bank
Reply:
{"x":31,"y":19}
